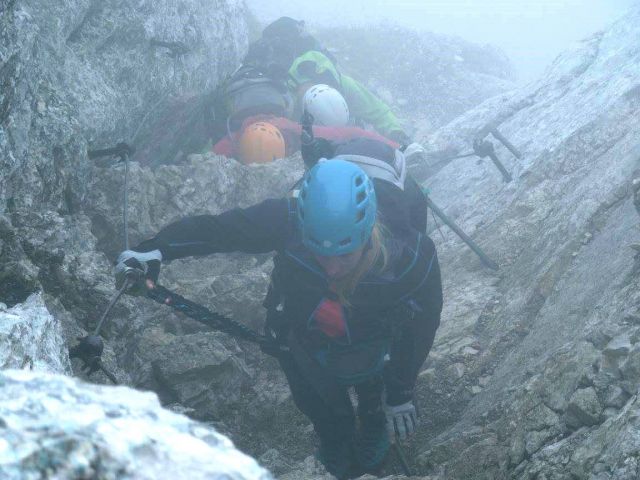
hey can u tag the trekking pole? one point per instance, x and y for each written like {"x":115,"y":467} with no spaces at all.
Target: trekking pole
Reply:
{"x":401,"y":458}
{"x":452,"y":225}
{"x":213,"y":320}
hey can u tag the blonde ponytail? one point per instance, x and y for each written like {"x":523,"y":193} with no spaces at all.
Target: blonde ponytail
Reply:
{"x":373,"y":260}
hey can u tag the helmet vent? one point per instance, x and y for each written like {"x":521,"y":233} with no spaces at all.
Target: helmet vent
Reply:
{"x":336,"y":208}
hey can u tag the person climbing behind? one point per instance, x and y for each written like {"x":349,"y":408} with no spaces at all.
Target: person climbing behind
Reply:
{"x":327,"y":106}
{"x":347,"y":293}
{"x":250,"y":139}
{"x":261,"y":142}
{"x":283,"y":65}
{"x":287,"y":52}
{"x":259,"y":85}
{"x":247,"y":92}
{"x":281,"y":42}
{"x":314,"y":67}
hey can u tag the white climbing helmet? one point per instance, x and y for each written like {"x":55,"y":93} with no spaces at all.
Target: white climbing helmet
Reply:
{"x":327,"y":106}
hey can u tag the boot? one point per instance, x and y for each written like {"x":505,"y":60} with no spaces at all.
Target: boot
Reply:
{"x":336,"y":455}
{"x":372,"y":442}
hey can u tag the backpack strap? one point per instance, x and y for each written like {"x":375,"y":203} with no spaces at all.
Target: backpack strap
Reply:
{"x":395,"y":172}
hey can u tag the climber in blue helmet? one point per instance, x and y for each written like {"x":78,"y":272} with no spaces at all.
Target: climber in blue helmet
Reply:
{"x":354,"y":299}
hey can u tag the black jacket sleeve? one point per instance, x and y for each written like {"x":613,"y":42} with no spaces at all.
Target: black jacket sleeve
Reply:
{"x":415,"y":336}
{"x":260,"y":228}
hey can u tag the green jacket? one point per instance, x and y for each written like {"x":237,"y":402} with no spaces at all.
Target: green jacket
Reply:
{"x":313,"y":66}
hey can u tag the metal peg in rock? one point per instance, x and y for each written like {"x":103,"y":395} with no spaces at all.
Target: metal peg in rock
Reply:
{"x":483,"y":149}
{"x":89,"y":351}
{"x":90,"y":348}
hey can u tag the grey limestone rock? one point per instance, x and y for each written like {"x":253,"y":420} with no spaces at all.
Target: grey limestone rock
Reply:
{"x":57,"y":427}
{"x":562,"y":323}
{"x":584,"y":408}
{"x":31,"y":338}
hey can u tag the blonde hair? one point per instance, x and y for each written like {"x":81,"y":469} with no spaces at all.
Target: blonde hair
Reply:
{"x":374,"y":260}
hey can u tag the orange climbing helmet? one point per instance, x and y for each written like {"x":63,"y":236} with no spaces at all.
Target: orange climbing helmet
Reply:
{"x":261,"y":142}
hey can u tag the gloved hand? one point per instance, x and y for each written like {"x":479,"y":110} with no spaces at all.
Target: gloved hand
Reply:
{"x":137,"y":267}
{"x":401,"y":419}
{"x":400,"y":137}
{"x":414,"y":152}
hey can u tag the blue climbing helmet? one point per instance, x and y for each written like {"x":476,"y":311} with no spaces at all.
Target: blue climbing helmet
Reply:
{"x":336,"y":207}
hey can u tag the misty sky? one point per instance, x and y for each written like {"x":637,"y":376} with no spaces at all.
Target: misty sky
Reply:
{"x":531,"y":32}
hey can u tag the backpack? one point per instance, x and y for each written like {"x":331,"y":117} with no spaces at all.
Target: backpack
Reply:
{"x":281,"y":43}
{"x":401,"y":200}
{"x":249,"y":91}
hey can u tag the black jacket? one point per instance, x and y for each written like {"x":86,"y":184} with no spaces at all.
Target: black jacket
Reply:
{"x":402,"y":304}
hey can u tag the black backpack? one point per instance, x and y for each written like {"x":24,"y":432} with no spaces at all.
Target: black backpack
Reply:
{"x":247,"y":92}
{"x":282,"y":41}
{"x":402,"y":202}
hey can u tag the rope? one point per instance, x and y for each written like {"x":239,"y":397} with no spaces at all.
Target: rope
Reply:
{"x":125,"y":207}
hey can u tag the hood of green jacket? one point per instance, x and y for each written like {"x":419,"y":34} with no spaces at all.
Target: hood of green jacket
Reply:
{"x":311,"y":66}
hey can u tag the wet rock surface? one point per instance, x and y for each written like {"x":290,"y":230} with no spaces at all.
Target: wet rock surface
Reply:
{"x":31,"y":338}
{"x":536,"y":367}
{"x":555,"y":328}
{"x":57,"y":427}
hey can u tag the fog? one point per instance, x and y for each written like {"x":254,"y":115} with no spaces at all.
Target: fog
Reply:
{"x":530,"y":32}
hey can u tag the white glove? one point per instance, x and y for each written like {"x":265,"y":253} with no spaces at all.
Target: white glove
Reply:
{"x":414,"y":149}
{"x":137,"y":267}
{"x":401,"y":420}
{"x":416,"y":154}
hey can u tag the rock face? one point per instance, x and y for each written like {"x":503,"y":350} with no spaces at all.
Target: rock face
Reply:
{"x":87,"y":73}
{"x":30,"y":337}
{"x":207,"y":374}
{"x":549,"y":386}
{"x":536,"y":367}
{"x":426,"y":78}
{"x":57,"y":427}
